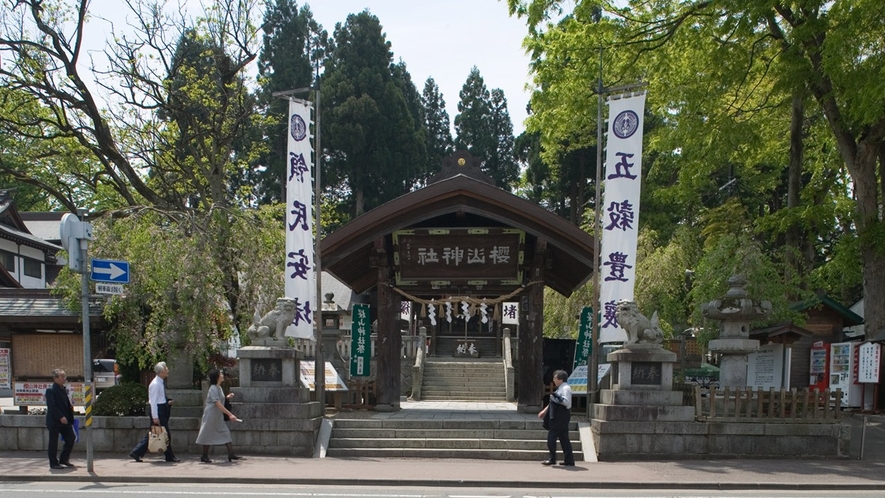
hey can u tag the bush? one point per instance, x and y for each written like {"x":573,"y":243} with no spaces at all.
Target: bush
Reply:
{"x":122,"y":400}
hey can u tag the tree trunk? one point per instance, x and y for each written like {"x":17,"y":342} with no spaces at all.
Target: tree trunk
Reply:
{"x":869,"y":224}
{"x":794,"y":185}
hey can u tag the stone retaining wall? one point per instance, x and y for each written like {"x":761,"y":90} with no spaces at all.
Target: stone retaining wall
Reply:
{"x":623,"y":440}
{"x":121,"y":434}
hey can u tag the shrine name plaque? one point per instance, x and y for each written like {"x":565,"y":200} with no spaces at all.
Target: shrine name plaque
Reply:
{"x":450,"y":256}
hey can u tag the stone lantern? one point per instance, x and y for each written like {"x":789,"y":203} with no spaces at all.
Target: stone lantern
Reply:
{"x":331,"y":332}
{"x":735,"y":312}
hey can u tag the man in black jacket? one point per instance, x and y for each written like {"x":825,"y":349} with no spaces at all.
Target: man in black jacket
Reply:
{"x":59,"y":420}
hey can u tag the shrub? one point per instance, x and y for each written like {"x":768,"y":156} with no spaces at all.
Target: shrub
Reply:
{"x":127,"y":399}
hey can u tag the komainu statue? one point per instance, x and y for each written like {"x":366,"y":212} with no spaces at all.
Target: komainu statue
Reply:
{"x":273,"y":325}
{"x":640,"y":330}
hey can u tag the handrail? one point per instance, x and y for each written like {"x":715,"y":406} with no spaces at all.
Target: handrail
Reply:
{"x":418,"y":367}
{"x":509,"y":375}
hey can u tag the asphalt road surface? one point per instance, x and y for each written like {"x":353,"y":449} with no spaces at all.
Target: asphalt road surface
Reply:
{"x":102,"y":490}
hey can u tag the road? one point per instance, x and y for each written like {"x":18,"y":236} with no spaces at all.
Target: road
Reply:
{"x":101,"y":490}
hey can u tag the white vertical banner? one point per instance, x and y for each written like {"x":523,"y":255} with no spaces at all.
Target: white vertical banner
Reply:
{"x":300,"y":262}
{"x":620,"y":210}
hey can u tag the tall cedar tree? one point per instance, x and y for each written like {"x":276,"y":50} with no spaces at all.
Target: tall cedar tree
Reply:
{"x":501,"y":164}
{"x":293,"y":46}
{"x":370,"y":138}
{"x":472,"y":123}
{"x":438,"y":140}
{"x":403,"y":80}
{"x":484,"y":129}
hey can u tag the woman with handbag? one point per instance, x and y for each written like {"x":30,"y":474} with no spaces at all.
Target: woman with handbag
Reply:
{"x":213,"y":430}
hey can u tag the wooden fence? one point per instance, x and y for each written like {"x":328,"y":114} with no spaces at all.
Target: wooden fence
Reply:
{"x":747,"y":405}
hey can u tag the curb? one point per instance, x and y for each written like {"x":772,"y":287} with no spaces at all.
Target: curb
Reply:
{"x":443,"y":483}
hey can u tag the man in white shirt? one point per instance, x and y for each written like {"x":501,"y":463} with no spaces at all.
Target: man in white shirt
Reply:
{"x":558,"y":415}
{"x":161,"y":408}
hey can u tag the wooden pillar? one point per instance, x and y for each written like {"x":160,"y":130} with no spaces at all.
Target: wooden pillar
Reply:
{"x":531,"y":334}
{"x":390,"y":340}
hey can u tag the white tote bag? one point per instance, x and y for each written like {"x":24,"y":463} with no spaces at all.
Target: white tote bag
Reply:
{"x":158,"y":440}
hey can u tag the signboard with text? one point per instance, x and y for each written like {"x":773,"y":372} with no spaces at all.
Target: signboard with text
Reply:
{"x":868,"y":357}
{"x":584,"y":346}
{"x":5,"y":369}
{"x":765,"y":367}
{"x":578,"y":378}
{"x":333,"y":381}
{"x":361,"y":341}
{"x":34,"y":393}
{"x":458,"y":256}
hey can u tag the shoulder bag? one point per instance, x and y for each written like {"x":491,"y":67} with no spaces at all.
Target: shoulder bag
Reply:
{"x":226,"y":407}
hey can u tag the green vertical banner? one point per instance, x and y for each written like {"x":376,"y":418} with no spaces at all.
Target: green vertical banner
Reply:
{"x":584,"y":346}
{"x":361,"y":345}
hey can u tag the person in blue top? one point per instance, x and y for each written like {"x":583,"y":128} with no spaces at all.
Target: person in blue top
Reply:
{"x":59,"y":421}
{"x":558,"y":417}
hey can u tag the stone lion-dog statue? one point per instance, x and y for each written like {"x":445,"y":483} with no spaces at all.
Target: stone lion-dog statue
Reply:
{"x":273,"y":325}
{"x":640,"y":330}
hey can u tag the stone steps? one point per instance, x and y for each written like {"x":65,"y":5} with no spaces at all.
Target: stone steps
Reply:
{"x":522,"y":440}
{"x":464,"y":380}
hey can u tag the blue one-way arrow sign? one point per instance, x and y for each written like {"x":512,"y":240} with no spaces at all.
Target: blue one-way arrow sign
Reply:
{"x":104,"y":270}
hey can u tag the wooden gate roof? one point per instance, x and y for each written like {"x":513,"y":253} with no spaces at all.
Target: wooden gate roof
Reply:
{"x":465,"y":199}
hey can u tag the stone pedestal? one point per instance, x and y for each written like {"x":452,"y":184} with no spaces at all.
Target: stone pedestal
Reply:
{"x":733,"y":360}
{"x":187,"y":401}
{"x":643,"y":367}
{"x":641,"y":416}
{"x":278,"y":416}
{"x":262,"y":366}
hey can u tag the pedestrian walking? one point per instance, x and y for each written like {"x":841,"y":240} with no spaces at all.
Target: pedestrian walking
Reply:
{"x":213,"y":430}
{"x":161,"y":409}
{"x":59,"y":421}
{"x":557,"y":414}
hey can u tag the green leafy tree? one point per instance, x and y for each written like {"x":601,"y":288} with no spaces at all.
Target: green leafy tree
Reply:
{"x":536,"y":177}
{"x":746,"y":97}
{"x":373,"y":146}
{"x":164,"y":138}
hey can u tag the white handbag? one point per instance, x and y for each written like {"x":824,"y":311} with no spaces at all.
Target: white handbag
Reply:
{"x":158,"y":440}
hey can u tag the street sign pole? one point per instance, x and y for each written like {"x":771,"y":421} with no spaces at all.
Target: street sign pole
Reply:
{"x":87,"y":356}
{"x":75,"y":236}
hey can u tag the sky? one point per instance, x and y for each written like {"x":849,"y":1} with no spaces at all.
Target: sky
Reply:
{"x":445,"y":39}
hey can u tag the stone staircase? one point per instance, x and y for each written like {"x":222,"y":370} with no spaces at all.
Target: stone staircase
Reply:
{"x":455,"y":379}
{"x":484,"y":439}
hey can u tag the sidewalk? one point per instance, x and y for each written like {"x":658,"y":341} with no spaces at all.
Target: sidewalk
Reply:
{"x":706,"y":474}
{"x":867,"y":474}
